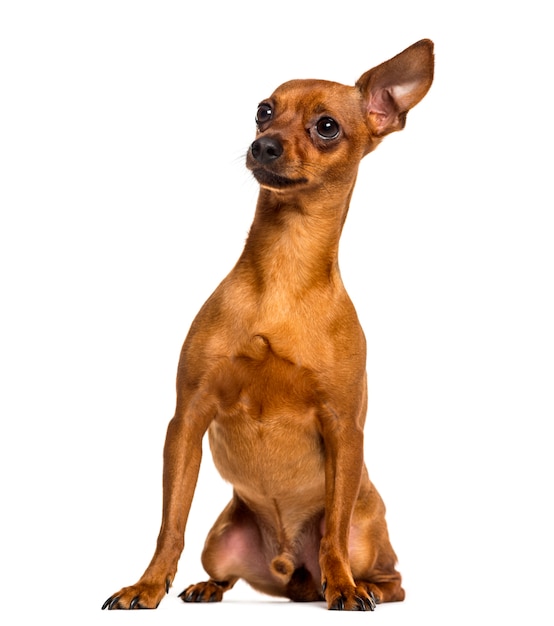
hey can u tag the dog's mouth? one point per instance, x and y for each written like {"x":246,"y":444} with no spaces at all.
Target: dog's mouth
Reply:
{"x":267,"y":178}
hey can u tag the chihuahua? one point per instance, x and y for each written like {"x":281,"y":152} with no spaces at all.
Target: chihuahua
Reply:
{"x":273,"y":368}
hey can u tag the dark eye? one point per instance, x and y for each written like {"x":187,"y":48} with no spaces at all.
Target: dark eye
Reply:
{"x":264,"y":114}
{"x":327,"y":128}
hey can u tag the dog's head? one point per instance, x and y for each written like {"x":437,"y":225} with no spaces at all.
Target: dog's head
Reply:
{"x":315,"y":132}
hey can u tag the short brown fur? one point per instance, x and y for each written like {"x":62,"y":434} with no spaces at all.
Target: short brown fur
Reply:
{"x":273,"y":368}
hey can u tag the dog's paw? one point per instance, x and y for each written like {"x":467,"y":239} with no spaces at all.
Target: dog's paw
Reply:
{"x":351,"y":599}
{"x":139,"y":596}
{"x":209,"y":591}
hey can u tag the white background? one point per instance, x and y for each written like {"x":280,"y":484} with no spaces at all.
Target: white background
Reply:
{"x":124,"y":200}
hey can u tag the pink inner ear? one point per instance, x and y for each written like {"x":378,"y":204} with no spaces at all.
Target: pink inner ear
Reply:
{"x":381,"y":107}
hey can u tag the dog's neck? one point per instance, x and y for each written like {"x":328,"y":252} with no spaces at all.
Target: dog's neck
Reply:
{"x":294,"y":239}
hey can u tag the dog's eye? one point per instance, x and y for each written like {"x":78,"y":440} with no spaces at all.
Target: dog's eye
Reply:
{"x":264,"y":114}
{"x":327,"y":128}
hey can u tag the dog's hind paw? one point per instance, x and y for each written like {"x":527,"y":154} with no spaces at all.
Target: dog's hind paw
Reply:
{"x":209,"y":591}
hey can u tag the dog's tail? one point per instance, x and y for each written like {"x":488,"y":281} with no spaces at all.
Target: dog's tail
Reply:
{"x":282,"y":566}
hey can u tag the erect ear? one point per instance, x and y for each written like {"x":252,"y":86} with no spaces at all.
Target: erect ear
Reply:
{"x":391,"y":89}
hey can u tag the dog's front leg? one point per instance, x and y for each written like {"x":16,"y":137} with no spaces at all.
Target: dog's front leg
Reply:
{"x":344,"y":462}
{"x":182,"y":456}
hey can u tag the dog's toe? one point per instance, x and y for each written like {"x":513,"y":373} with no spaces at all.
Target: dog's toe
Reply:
{"x":337,"y":604}
{"x":365,"y":604}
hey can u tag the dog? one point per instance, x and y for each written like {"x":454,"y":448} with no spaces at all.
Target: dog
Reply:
{"x":273,"y":368}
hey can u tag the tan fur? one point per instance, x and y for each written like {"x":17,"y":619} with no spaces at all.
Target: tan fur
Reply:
{"x":273,"y":368}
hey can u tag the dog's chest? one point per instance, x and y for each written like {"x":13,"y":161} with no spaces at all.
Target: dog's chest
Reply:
{"x":265,"y":438}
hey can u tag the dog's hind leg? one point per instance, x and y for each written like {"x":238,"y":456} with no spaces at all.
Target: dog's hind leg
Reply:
{"x":372,"y":558}
{"x":235,"y":548}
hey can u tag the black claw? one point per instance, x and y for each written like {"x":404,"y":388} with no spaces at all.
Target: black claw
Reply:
{"x":323,"y":587}
{"x":167,"y":585}
{"x":372,"y":602}
{"x":134,"y":602}
{"x":110,"y":603}
{"x":361,"y":604}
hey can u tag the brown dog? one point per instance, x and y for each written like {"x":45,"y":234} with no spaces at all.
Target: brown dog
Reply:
{"x":274,"y":368}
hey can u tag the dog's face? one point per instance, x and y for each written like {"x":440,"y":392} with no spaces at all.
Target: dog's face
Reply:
{"x":309,"y":131}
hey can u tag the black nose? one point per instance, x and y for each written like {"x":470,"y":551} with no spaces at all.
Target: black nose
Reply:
{"x":266,"y":149}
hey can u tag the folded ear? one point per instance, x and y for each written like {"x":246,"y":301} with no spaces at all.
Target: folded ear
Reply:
{"x":391,"y":89}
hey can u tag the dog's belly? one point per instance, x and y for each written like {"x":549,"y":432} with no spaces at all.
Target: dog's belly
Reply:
{"x":270,"y":455}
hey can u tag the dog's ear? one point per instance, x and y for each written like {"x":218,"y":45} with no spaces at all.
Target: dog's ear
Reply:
{"x":391,"y":89}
